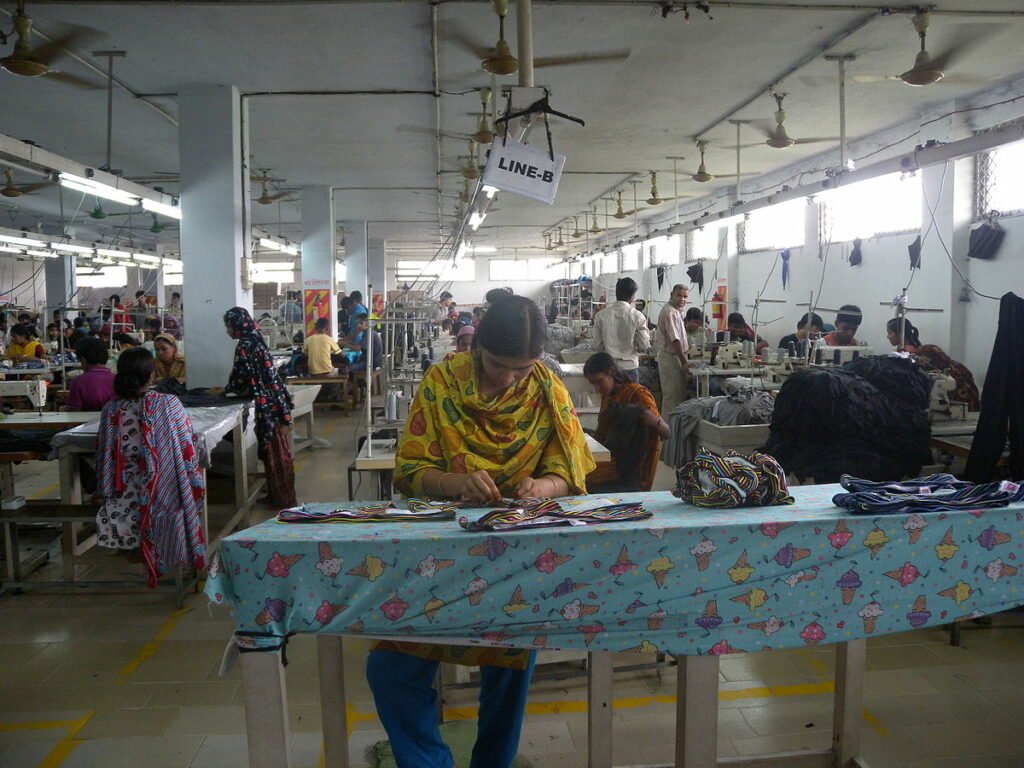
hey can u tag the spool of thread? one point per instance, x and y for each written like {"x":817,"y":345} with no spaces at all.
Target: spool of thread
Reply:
{"x":391,"y":406}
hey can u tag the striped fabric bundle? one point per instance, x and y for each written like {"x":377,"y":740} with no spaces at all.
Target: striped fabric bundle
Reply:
{"x":385,"y":512}
{"x":543,"y":513}
{"x":733,"y":480}
{"x":935,"y":493}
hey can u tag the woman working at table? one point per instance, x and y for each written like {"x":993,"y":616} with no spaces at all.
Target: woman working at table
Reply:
{"x":24,"y":348}
{"x":483,"y":425}
{"x":169,"y":362}
{"x":934,"y":359}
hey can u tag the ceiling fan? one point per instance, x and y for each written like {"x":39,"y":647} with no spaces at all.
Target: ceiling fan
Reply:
{"x":619,"y":213}
{"x":484,"y":132}
{"x":776,"y":136}
{"x":265,"y":197}
{"x":35,"y":62}
{"x":702,"y":175}
{"x":656,"y":198}
{"x":500,"y":61}
{"x":927,"y":69}
{"x":594,"y":228}
{"x":17,"y":190}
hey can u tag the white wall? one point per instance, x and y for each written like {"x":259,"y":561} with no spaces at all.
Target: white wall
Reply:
{"x":17,"y":284}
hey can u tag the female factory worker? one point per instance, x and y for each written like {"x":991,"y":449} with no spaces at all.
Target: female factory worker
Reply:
{"x":628,"y":420}
{"x":933,"y":359}
{"x":253,"y":376}
{"x":492,"y":423}
{"x":169,"y":362}
{"x":24,"y":348}
{"x":463,"y":341}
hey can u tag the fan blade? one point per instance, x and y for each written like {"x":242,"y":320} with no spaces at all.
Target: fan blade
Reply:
{"x":47,"y":52}
{"x":816,"y":140}
{"x":424,"y":129}
{"x":876,"y":79}
{"x":583,"y":58}
{"x":73,"y":80}
{"x":28,"y":189}
{"x":767,"y":127}
{"x":968,"y":36}
{"x":741,"y":146}
{"x":459,"y":38}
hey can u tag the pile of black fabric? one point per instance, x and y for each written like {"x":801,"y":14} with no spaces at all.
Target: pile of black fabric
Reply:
{"x":868,"y":418}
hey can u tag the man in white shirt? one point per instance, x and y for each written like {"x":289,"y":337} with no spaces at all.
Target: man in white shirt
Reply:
{"x":444,"y":304}
{"x":621,"y":330}
{"x":672,"y":344}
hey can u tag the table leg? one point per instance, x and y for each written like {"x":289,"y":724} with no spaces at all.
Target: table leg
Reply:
{"x":70,"y":478}
{"x":241,"y":470}
{"x":599,"y":710}
{"x":266,"y":710}
{"x":12,"y":553}
{"x":697,"y":711}
{"x":849,"y":696}
{"x":333,"y":711}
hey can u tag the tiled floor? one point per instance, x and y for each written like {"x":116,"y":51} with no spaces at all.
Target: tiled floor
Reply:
{"x":124,"y":679}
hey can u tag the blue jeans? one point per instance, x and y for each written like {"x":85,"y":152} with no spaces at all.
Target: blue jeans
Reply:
{"x":406,"y":701}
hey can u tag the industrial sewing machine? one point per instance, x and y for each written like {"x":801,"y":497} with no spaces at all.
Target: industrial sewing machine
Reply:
{"x":34,"y":390}
{"x":940,"y":406}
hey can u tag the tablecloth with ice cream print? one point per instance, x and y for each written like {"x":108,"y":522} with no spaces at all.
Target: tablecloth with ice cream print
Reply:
{"x":685,"y":581}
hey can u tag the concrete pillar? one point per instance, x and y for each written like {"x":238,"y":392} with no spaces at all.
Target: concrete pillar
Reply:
{"x":215,"y":236}
{"x":376,"y":271}
{"x":355,"y":258}
{"x":319,"y":249}
{"x":60,"y":283}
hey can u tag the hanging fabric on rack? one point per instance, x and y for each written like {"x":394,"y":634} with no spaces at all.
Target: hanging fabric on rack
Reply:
{"x":784,"y":253}
{"x":914,"y":249}
{"x":856,"y":257}
{"x":696,"y":275}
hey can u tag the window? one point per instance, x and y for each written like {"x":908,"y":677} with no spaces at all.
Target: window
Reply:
{"x":1001,"y":179}
{"x":443,"y":269}
{"x":662,"y":251}
{"x":609,"y":263}
{"x":505,"y":270}
{"x":538,"y":269}
{"x":879,"y":206}
{"x":705,"y":243}
{"x":631,"y":258}
{"x":105,"y":277}
{"x":777,"y":226}
{"x":340,"y":272}
{"x":574,"y":269}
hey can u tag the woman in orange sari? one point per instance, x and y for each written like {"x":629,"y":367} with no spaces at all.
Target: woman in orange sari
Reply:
{"x":628,"y":424}
{"x":487,"y":424}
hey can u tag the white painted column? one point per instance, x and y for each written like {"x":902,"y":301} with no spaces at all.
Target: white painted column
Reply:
{"x":215,"y":226}
{"x":355,"y":257}
{"x":60,"y":283}
{"x":319,"y":249}
{"x":376,"y":269}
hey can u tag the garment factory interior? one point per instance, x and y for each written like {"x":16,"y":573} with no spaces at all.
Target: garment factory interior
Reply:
{"x":803,"y":224}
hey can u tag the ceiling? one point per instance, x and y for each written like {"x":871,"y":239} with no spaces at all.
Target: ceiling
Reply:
{"x":378,"y":149}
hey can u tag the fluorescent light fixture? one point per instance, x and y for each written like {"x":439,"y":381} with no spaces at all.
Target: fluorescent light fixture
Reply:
{"x":171,"y":211}
{"x":484,"y":249}
{"x":461,"y":253}
{"x":103,"y":260}
{"x":288,"y":248}
{"x":44,"y":254}
{"x":10,"y":249}
{"x":489,"y":191}
{"x":71,"y":248}
{"x":274,"y":266}
{"x":20,"y":240}
{"x":274,"y":277}
{"x":476,"y":219}
{"x":112,"y":252}
{"x":144,"y":265}
{"x":90,"y":187}
{"x":147,"y":258}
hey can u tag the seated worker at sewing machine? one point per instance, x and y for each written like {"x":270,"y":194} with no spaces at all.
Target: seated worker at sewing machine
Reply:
{"x":463,"y":341}
{"x":808,"y":326}
{"x":24,"y":348}
{"x":94,"y":388}
{"x":848,"y":320}
{"x":697,"y":334}
{"x":934,"y":360}
{"x":742,"y":332}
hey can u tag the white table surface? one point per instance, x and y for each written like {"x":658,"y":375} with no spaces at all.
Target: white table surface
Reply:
{"x":384,"y":458}
{"x":47,"y":419}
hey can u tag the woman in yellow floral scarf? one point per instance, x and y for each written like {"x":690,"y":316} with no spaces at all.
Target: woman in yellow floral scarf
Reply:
{"x":486,"y":424}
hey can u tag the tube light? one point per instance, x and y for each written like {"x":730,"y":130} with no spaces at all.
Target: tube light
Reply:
{"x":90,"y":187}
{"x":20,"y":240}
{"x":490,"y":191}
{"x":103,"y":260}
{"x":171,"y":211}
{"x":144,"y":265}
{"x":44,"y":254}
{"x":10,"y":249}
{"x":476,"y":219}
{"x":146,"y":257}
{"x":288,"y":248}
{"x":484,"y":249}
{"x":71,"y":248}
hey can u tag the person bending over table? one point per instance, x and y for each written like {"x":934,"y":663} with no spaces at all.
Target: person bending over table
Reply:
{"x":150,"y":484}
{"x":169,"y":362}
{"x":629,"y":424}
{"x":254,"y":377}
{"x":357,"y":342}
{"x":848,"y":320}
{"x":492,"y":423}
{"x":742,"y":332}
{"x":809,"y":325}
{"x":934,"y":359}
{"x":24,"y":348}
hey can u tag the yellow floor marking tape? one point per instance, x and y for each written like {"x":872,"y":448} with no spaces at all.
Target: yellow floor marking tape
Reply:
{"x":63,"y":748}
{"x":151,"y":647}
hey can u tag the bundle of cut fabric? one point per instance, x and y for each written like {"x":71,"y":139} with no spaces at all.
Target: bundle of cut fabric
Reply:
{"x":559,"y":337}
{"x":733,"y":480}
{"x":746,"y":406}
{"x":868,"y":418}
{"x":935,"y":493}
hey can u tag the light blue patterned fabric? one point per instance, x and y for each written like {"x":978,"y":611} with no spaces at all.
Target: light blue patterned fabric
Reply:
{"x":686,"y":581}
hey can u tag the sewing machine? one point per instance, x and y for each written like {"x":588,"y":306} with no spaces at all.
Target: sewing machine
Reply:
{"x":731,"y":356}
{"x":34,"y":390}
{"x":824,"y":355}
{"x":940,"y":406}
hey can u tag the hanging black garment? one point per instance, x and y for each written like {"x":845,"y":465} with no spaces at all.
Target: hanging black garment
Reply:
{"x":868,"y":418}
{"x":985,"y":241}
{"x":1002,"y":399}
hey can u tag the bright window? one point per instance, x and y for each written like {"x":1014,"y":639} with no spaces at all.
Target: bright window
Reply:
{"x":631,"y":258}
{"x":574,"y":269}
{"x":442,"y":269}
{"x":537,"y":269}
{"x":610,"y":263}
{"x":105,"y":277}
{"x":777,"y":226}
{"x":663,"y":251}
{"x":1001,"y":179}
{"x":340,"y":272}
{"x":705,"y":243}
{"x":504,"y":270}
{"x":873,"y":207}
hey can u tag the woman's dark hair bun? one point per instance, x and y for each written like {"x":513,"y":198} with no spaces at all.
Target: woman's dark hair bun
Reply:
{"x":134,"y":372}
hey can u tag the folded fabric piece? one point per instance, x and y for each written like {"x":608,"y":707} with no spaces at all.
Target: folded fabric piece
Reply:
{"x":543,"y":513}
{"x":733,"y":480}
{"x":935,"y":493}
{"x":385,"y":512}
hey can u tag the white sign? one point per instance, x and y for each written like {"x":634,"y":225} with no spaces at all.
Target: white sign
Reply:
{"x":523,"y":170}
